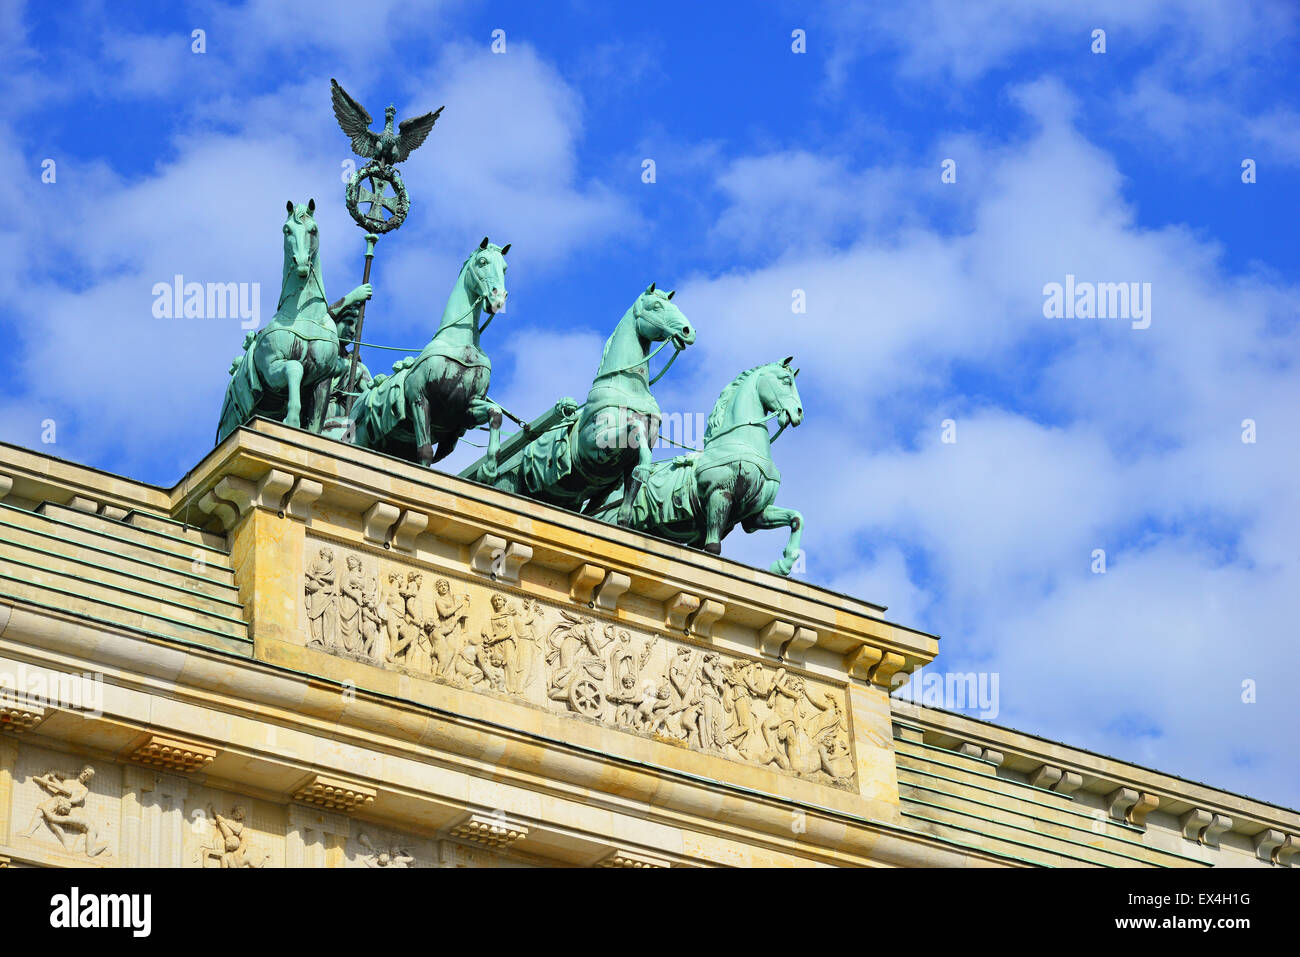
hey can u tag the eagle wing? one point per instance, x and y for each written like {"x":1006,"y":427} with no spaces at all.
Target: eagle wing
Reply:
{"x":354,"y":121}
{"x":415,"y":131}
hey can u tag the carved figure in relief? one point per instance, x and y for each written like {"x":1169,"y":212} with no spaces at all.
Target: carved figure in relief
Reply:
{"x":652,"y":711}
{"x":525,"y":646}
{"x":373,"y":635}
{"x":351,"y":597}
{"x":578,"y":668}
{"x":322,"y":601}
{"x":64,"y":811}
{"x":398,"y":857}
{"x":394,"y":615}
{"x":447,"y":628}
{"x":412,"y":645}
{"x":481,"y":661}
{"x":682,"y":719}
{"x":232,"y":848}
{"x":498,"y":644}
{"x":743,"y":683}
{"x":781,"y":725}
{"x":627,"y":690}
{"x":712,"y":722}
{"x":827,"y":731}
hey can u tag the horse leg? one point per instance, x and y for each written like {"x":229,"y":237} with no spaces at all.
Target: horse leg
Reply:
{"x":639,"y":473}
{"x":317,"y":404}
{"x":717,"y":507}
{"x":482,"y":411}
{"x":423,"y":430}
{"x":774,"y":516}
{"x":293,"y":376}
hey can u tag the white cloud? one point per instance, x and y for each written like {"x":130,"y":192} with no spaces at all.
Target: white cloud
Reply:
{"x":1090,"y":434}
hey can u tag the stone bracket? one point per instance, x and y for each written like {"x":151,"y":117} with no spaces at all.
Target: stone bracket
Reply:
{"x":407,"y":529}
{"x":678,"y":609}
{"x":1289,"y":849}
{"x":583,"y":581}
{"x":701,"y":623}
{"x":1266,"y":844}
{"x":302,"y":497}
{"x":232,"y":497}
{"x":377,"y":521}
{"x":6,"y":485}
{"x":981,"y":752}
{"x":493,"y":556}
{"x":171,"y":753}
{"x":797,"y":647}
{"x":1046,"y":777}
{"x":773,"y":636}
{"x":1060,"y":780}
{"x":1194,"y":823}
{"x":611,"y":589}
{"x":1128,"y":805}
{"x":334,"y":794}
{"x":1216,"y":829}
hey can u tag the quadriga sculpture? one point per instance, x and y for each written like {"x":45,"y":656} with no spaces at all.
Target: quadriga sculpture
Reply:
{"x":288,"y":366}
{"x":607,"y":440}
{"x":435,"y":397}
{"x":698,"y":499}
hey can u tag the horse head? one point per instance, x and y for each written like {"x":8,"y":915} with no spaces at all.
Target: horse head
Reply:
{"x":301,"y":238}
{"x":486,"y":276}
{"x":658,"y":319}
{"x":779,"y":393}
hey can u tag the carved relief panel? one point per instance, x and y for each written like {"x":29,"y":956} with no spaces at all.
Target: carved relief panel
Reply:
{"x":66,"y":809}
{"x":393,"y":615}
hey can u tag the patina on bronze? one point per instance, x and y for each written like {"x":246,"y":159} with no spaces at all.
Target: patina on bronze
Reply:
{"x":384,"y":150}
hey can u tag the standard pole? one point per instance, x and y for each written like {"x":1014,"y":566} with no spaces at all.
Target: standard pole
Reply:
{"x":371,"y":239}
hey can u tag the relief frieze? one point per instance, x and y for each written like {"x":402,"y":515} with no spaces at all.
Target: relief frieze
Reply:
{"x":491,"y":639}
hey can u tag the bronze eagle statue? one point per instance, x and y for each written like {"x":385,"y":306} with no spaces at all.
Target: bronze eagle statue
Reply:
{"x":387,"y":147}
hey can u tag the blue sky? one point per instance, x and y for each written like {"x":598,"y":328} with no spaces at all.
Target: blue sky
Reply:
{"x":775,"y":171}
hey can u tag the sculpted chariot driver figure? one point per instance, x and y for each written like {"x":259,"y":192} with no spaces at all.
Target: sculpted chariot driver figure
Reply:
{"x":64,"y":811}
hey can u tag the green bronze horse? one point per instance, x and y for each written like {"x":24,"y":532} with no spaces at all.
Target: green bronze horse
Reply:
{"x":698,"y":499}
{"x":288,"y":366}
{"x":435,"y":397}
{"x":607,"y":440}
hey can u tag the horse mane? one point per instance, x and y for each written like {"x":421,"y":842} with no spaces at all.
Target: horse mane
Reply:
{"x":604,"y":352}
{"x":724,"y":400}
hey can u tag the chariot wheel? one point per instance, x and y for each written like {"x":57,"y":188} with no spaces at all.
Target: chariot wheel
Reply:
{"x":585,"y":698}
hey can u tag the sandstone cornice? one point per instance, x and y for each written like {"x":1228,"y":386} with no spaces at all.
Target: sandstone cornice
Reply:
{"x":1130,"y":792}
{"x":605,"y":565}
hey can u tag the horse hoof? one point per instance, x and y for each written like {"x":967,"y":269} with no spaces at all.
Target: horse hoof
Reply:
{"x":713,"y":548}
